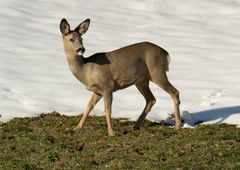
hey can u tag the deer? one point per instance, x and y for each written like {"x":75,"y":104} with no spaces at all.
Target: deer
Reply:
{"x":104,"y":73}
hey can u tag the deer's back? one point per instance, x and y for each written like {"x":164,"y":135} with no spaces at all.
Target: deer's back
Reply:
{"x":125,"y":66}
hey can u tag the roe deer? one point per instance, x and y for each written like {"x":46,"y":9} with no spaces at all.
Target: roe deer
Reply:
{"x":104,"y":73}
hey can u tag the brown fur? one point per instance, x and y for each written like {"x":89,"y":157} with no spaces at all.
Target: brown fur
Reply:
{"x":105,"y":73}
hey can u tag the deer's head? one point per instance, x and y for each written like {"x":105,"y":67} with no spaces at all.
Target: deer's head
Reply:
{"x":72,"y":39}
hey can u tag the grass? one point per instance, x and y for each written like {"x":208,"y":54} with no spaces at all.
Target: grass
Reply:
{"x":48,"y":142}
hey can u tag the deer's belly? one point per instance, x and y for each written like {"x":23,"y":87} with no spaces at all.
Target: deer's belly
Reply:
{"x":115,"y":83}
{"x":124,"y":82}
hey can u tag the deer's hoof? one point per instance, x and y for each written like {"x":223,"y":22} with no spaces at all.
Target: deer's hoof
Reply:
{"x":136,"y":127}
{"x":111,"y":133}
{"x":177,"y":126}
{"x":76,"y":128}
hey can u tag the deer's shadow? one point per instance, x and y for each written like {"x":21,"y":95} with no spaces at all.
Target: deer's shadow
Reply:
{"x":217,"y":115}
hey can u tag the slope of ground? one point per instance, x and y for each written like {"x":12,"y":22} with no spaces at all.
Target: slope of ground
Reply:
{"x":48,"y":142}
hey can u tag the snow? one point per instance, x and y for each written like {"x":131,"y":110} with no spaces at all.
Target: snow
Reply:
{"x":201,"y":36}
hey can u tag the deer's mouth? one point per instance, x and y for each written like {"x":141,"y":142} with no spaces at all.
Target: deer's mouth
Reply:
{"x":80,"y":51}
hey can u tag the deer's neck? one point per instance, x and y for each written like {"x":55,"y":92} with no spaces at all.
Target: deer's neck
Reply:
{"x":76,"y":65}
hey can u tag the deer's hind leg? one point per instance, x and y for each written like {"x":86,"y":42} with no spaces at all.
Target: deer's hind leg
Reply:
{"x":162,"y":81}
{"x":143,"y":87}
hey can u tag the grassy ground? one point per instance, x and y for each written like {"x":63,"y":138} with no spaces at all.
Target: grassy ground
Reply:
{"x":48,"y":142}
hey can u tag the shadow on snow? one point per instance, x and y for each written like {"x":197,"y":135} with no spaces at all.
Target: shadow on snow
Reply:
{"x":217,"y":115}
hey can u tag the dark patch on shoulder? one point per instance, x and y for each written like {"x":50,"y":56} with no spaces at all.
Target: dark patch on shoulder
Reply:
{"x":98,"y":58}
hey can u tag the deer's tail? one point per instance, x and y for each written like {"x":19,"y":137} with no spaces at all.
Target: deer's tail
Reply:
{"x":167,"y":62}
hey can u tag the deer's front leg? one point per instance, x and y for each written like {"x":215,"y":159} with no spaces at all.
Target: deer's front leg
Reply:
{"x":93,"y":101}
{"x":107,"y":111}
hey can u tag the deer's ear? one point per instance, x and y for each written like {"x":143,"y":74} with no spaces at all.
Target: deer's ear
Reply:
{"x":64,"y":27}
{"x":83,"y":27}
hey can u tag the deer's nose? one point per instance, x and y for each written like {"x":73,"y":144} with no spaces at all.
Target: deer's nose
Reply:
{"x":81,"y":49}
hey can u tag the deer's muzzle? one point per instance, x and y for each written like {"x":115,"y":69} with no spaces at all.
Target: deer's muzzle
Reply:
{"x":81,"y":50}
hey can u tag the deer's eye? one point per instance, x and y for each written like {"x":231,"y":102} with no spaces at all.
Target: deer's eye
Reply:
{"x":71,"y":39}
